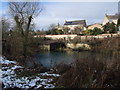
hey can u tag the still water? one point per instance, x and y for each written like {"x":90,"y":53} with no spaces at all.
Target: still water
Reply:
{"x":50,"y":59}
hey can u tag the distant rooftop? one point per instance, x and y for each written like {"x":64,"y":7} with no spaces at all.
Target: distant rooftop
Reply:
{"x":94,"y":24}
{"x":112,"y":16}
{"x":76,"y":22}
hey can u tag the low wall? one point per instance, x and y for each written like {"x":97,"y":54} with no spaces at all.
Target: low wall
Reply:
{"x":72,"y":36}
{"x":69,"y":46}
{"x":78,"y":46}
{"x":54,"y":37}
{"x":102,"y":36}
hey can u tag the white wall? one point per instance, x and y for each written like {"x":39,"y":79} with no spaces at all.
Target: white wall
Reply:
{"x":61,"y":36}
{"x":111,"y":20}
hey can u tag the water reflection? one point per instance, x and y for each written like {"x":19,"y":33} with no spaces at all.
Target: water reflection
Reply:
{"x":50,"y":59}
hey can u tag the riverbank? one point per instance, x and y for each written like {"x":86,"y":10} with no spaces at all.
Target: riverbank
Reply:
{"x":96,"y":72}
{"x":92,"y":71}
{"x":12,"y":79}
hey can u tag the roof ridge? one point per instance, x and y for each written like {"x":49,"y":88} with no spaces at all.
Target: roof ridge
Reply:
{"x":111,"y":15}
{"x":75,"y":20}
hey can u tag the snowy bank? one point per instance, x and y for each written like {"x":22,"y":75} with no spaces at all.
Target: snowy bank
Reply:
{"x":10,"y":79}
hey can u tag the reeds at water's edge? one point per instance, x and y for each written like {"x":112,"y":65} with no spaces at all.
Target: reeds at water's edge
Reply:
{"x":94,"y":72}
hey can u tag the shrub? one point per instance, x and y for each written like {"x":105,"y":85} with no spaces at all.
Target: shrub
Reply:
{"x":95,"y":31}
{"x":95,"y":72}
{"x":87,"y":73}
{"x":110,"y":28}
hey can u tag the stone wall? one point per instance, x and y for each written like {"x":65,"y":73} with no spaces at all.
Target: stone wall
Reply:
{"x":45,"y":47}
{"x":72,"y":36}
{"x":78,"y":46}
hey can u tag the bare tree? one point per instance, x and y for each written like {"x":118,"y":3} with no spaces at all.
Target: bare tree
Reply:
{"x":5,"y":25}
{"x":23,"y":14}
{"x":52,"y":26}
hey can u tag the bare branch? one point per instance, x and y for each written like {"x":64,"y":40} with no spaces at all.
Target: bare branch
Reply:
{"x":24,"y":13}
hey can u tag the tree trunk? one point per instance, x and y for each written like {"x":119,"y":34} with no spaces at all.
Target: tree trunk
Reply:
{"x":25,"y":43}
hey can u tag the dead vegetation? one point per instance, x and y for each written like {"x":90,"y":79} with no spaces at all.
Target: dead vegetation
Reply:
{"x":87,"y":73}
{"x":95,"y":72}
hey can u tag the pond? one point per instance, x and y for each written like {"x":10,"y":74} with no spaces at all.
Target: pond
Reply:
{"x":50,"y":59}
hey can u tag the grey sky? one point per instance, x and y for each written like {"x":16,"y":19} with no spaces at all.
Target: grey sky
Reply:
{"x":58,"y":12}
{"x":92,"y":12}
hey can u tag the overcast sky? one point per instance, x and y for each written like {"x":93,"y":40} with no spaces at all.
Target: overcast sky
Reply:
{"x":58,"y":12}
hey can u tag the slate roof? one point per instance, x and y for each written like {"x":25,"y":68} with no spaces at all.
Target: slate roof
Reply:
{"x":112,"y":16}
{"x":77,"y":22}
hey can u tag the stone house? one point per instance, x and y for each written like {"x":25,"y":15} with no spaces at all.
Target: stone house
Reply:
{"x":78,"y":25}
{"x":110,"y":19}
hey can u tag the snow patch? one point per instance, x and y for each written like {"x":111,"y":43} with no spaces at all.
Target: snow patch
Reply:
{"x":10,"y":79}
{"x":15,"y":67}
{"x":47,"y":74}
{"x":3,"y":61}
